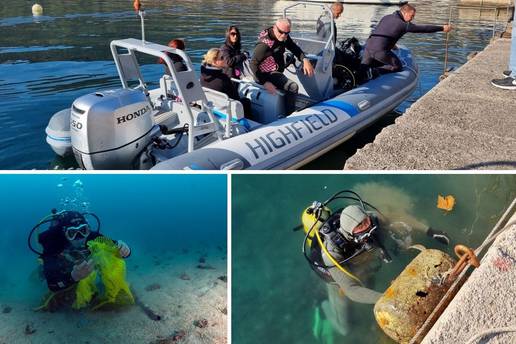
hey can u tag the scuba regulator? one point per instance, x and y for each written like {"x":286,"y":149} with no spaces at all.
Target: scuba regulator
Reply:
{"x":316,"y":224}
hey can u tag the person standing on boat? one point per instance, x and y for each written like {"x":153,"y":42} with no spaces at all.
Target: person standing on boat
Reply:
{"x":509,"y":80}
{"x":232,"y":54}
{"x":378,"y":51}
{"x":268,"y":63}
{"x":323,"y":23}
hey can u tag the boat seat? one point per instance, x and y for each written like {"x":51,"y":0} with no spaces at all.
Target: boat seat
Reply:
{"x":224,"y":104}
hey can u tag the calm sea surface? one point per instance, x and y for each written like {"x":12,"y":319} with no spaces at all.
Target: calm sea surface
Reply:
{"x":47,"y":62}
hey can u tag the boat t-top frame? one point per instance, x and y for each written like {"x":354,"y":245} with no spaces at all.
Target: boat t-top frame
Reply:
{"x":185,"y":83}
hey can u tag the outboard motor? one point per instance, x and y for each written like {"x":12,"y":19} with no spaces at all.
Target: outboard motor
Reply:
{"x":110,"y":129}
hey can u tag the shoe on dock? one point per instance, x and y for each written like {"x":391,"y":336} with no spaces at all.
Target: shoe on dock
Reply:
{"x":506,"y":83}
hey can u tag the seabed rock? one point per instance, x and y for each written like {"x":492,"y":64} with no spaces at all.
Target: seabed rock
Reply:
{"x":6,"y":309}
{"x":176,"y":337}
{"x":205,"y":267}
{"x":184,"y":276}
{"x":152,"y":287}
{"x":201,"y":323}
{"x":29,"y":329}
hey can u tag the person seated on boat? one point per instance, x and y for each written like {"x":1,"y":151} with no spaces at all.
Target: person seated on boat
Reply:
{"x":214,"y":77}
{"x":268,"y":63}
{"x":232,"y":54}
{"x":389,"y":30}
{"x":360,"y":242}
{"x":65,"y":253}
{"x":178,"y":63}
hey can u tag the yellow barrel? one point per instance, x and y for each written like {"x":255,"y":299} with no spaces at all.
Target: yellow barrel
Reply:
{"x":413,"y":295}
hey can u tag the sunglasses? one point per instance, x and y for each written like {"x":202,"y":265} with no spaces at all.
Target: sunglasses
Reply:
{"x":282,"y":32}
{"x":233,"y":33}
{"x":72,"y":232}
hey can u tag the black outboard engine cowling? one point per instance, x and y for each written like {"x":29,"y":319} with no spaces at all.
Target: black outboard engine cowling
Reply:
{"x":110,"y":129}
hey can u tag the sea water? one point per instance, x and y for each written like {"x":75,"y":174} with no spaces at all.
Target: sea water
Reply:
{"x":169,"y":222}
{"x":275,"y":294}
{"x":47,"y":62}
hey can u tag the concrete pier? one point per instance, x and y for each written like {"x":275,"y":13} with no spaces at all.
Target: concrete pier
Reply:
{"x":462,"y":123}
{"x":486,"y":3}
{"x":486,"y":303}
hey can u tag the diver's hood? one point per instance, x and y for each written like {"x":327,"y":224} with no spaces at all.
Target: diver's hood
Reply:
{"x":350,"y":217}
{"x":68,"y":218}
{"x":53,"y":239}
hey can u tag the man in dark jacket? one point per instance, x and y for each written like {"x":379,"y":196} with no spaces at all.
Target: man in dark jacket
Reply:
{"x":387,"y":33}
{"x":268,"y":61}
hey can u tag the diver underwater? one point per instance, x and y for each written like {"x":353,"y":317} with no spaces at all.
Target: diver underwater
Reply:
{"x":81,"y":266}
{"x":347,"y":246}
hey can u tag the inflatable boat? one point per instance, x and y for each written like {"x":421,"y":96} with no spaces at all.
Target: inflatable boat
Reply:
{"x":182,"y":126}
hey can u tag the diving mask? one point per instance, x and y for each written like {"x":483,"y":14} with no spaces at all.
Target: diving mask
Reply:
{"x":364,"y":230}
{"x":71,"y":232}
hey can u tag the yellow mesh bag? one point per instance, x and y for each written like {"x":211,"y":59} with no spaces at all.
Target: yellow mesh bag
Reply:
{"x":86,"y":288}
{"x":111,"y":267}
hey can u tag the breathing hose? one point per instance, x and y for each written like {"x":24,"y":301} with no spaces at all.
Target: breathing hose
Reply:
{"x":323,"y":247}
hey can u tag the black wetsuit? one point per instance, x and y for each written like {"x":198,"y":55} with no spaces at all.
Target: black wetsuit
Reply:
{"x":59,"y":257}
{"x":384,"y":38}
{"x":268,"y":64}
{"x":323,"y":28}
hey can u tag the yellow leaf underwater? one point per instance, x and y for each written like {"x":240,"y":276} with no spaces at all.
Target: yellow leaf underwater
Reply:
{"x":445,"y":202}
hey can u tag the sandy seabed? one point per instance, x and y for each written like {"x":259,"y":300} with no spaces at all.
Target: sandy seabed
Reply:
{"x":171,"y":284}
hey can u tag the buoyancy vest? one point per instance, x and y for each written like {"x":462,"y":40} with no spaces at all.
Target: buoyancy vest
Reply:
{"x":352,"y":254}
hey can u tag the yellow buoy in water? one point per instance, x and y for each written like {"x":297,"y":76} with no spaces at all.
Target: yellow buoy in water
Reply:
{"x":37,"y":10}
{"x":413,"y":295}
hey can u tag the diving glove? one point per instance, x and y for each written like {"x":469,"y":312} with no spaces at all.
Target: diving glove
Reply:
{"x":81,"y":271}
{"x":438,"y":235}
{"x":123,"y":248}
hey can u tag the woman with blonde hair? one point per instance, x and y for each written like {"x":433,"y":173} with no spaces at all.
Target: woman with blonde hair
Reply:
{"x":213,"y":76}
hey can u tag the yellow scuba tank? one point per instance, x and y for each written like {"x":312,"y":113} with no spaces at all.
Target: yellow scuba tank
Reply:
{"x":308,"y":218}
{"x":412,"y":296}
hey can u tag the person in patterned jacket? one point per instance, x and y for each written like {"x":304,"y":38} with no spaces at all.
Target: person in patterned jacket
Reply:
{"x":268,"y":63}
